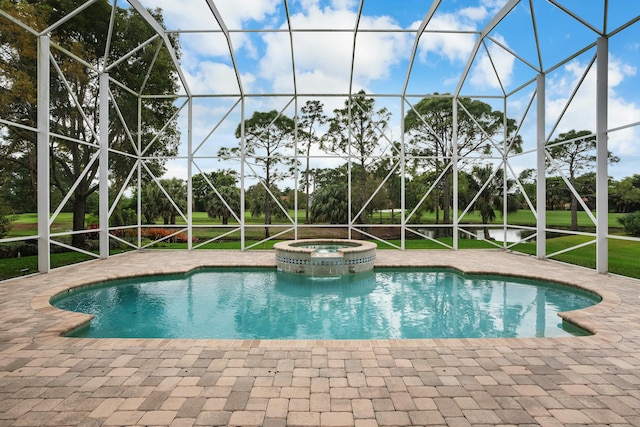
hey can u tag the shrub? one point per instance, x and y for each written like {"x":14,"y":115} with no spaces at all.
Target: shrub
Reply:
{"x":5,"y":219}
{"x":631,"y":223}
{"x":159,"y":233}
{"x":18,"y":249}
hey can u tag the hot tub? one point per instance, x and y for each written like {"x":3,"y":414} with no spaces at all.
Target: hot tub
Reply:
{"x":325,"y":257}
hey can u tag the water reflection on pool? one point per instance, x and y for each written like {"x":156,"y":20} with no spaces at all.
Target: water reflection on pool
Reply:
{"x":266,"y":304}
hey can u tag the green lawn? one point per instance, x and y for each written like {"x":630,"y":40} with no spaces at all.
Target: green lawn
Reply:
{"x":623,"y":255}
{"x":27,"y":224}
{"x":560,"y":219}
{"x":14,"y":267}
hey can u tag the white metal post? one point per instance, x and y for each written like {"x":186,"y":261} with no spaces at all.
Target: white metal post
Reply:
{"x":602,"y":155}
{"x":296,"y":173}
{"x":139,"y":201}
{"x":104,"y":166}
{"x":403,"y":186}
{"x":505,"y":180}
{"x":44,"y":262}
{"x":190,"y":177}
{"x":541,"y":181}
{"x":243,"y":224}
{"x":454,"y":161}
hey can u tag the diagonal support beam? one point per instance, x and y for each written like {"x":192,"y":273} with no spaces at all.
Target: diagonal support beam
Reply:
{"x":484,"y":33}
{"x":416,"y":42}
{"x":227,"y":36}
{"x":167,"y":42}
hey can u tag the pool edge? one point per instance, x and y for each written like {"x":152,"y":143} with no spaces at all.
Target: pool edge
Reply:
{"x":583,"y":318}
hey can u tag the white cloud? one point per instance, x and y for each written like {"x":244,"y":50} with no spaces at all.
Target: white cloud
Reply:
{"x":196,"y":15}
{"x":494,"y":5}
{"x":323,"y":59}
{"x":202,"y":45}
{"x":216,"y":78}
{"x":484,"y":74}
{"x":235,"y":12}
{"x":474,"y":13}
{"x":581,"y":114}
{"x":343,"y":4}
{"x":453,"y":46}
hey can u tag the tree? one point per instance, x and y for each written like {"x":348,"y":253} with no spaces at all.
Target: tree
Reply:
{"x":625,"y":194}
{"x":5,"y":220}
{"x":631,"y":223}
{"x":415,"y":188}
{"x":156,"y":204}
{"x":18,"y":99}
{"x":312,"y":116}
{"x":429,"y":125}
{"x":85,"y":35}
{"x":16,"y":189}
{"x":266,"y":136}
{"x":255,"y":197}
{"x":355,"y":132}
{"x":390,"y":196}
{"x":489,"y":189}
{"x":528,"y":182}
{"x":330,"y":201}
{"x":224,"y":204}
{"x":330,"y":198}
{"x":201,"y":188}
{"x":574,"y":152}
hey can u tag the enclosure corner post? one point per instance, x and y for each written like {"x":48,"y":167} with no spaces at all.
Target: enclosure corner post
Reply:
{"x":454,"y":162}
{"x":403,"y":185}
{"x":541,"y":182}
{"x":44,"y":261}
{"x":243,"y":189}
{"x":190,"y":177}
{"x":104,"y":166}
{"x":602,"y":155}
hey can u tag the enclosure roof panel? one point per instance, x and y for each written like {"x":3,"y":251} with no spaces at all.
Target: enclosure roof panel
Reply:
{"x":306,"y":47}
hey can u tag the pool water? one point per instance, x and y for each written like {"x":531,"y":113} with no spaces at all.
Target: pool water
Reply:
{"x":266,"y":304}
{"x":323,"y":248}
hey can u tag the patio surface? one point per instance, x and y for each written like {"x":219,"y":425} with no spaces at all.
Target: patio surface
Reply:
{"x":46,"y":379}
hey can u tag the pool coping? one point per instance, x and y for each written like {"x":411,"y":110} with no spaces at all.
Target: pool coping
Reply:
{"x":590,"y":318}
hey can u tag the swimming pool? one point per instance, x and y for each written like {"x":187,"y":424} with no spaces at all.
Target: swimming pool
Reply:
{"x":261,"y":303}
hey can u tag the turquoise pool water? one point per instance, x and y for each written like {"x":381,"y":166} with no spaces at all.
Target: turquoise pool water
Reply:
{"x":266,"y":304}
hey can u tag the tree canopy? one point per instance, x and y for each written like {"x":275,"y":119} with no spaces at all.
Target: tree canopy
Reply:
{"x":429,"y":125}
{"x":268,"y":143}
{"x":355,"y":132}
{"x":74,"y":95}
{"x":574,"y":152}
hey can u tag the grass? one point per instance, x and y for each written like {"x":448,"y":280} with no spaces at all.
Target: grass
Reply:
{"x":25,"y":225}
{"x":623,"y":255}
{"x":560,"y":219}
{"x":15,"y":267}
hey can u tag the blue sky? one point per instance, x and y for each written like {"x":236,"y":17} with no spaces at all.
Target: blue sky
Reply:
{"x":383,"y":53}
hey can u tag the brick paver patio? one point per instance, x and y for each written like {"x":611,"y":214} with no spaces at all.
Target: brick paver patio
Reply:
{"x":46,"y":379}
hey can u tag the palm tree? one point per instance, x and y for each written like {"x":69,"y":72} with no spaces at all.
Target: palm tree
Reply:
{"x":312,"y":116}
{"x":490,"y":186}
{"x":224,"y":203}
{"x":330,"y":202}
{"x":156,"y":203}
